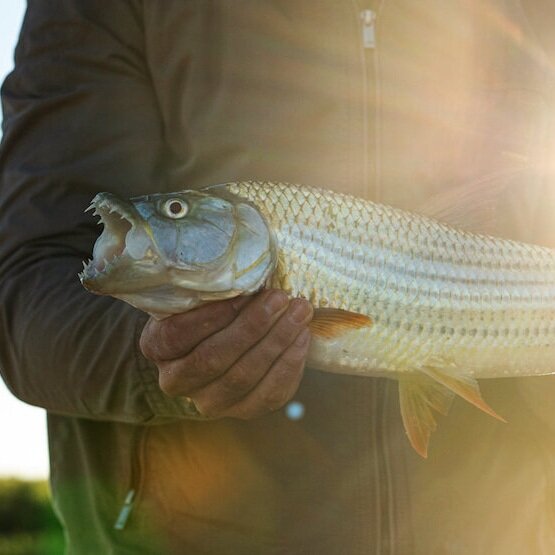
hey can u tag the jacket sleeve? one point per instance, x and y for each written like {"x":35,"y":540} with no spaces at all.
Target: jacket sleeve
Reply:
{"x":79,"y":117}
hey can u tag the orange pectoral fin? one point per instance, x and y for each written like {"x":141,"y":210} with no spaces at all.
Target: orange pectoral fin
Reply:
{"x":330,"y":323}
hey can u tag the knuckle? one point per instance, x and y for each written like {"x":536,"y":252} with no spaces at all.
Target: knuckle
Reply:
{"x":161,"y":340}
{"x":168,"y":335}
{"x":293,"y":360}
{"x":146,"y":347}
{"x":283,"y":335}
{"x":148,"y":343}
{"x":238,"y":379}
{"x":266,"y":356}
{"x":251,"y":325}
{"x":286,"y":376}
{"x":276,"y":398}
{"x":288,"y":373}
{"x":206,"y":359}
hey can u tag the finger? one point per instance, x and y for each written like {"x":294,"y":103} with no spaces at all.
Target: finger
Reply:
{"x":213,"y":357}
{"x":246,"y":372}
{"x":179,"y":334}
{"x":278,"y":386}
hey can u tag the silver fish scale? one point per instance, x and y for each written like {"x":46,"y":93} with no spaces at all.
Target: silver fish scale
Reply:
{"x":432,"y":291}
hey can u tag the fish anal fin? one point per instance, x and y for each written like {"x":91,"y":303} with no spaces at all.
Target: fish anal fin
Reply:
{"x":419,"y":396}
{"x":461,"y":383}
{"x":330,"y":323}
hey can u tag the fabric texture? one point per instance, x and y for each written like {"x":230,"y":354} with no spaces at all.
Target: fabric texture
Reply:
{"x":136,"y":96}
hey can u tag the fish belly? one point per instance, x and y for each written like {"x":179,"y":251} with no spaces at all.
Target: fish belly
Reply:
{"x":386,"y":352}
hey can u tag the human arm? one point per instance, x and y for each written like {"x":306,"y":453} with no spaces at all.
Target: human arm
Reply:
{"x":79,"y":117}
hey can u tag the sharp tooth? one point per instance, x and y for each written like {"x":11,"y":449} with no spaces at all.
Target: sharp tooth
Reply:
{"x":84,"y":265}
{"x":91,"y":207}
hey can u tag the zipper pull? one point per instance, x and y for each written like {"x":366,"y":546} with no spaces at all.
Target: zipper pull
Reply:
{"x":123,"y":516}
{"x":368,"y":18}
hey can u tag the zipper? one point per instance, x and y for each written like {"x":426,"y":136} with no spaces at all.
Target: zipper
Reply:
{"x":369,"y":14}
{"x":390,"y":517}
{"x":125,"y":511}
{"x":138,"y":443}
{"x":368,"y":19}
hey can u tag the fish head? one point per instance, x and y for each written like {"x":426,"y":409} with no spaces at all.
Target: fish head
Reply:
{"x":167,"y":253}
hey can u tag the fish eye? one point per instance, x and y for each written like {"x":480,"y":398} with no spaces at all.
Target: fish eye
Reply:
{"x":175,"y":208}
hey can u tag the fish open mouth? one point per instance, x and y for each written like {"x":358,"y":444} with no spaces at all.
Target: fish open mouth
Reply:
{"x":121,"y":240}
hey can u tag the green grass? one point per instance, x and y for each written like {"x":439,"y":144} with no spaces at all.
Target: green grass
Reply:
{"x":28,"y":525}
{"x":46,"y":543}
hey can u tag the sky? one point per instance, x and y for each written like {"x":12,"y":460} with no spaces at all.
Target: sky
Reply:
{"x":23,"y":446}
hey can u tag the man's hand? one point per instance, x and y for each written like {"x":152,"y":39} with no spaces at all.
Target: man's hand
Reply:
{"x":241,"y":358}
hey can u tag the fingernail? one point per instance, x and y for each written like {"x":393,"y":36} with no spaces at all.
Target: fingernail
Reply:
{"x":299,"y":311}
{"x":302,"y":338}
{"x":275,"y":302}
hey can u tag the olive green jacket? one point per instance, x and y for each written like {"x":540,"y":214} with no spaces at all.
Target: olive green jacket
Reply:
{"x":393,"y":100}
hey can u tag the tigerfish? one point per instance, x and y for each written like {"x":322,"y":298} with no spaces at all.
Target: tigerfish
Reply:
{"x":396,"y":294}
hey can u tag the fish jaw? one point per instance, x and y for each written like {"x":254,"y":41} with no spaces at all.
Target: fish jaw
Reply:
{"x":124,"y":256}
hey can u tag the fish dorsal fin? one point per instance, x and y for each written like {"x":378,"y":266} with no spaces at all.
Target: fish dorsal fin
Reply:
{"x":418,"y":395}
{"x":329,"y":323}
{"x":471,"y":206}
{"x":461,"y":383}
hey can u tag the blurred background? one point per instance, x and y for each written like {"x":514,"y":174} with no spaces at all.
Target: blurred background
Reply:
{"x":27,"y":523}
